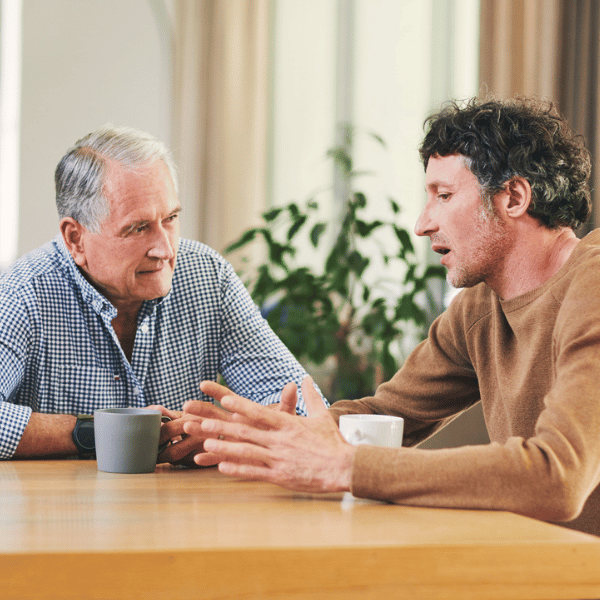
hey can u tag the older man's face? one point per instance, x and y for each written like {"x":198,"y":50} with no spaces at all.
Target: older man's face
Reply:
{"x":133,"y":257}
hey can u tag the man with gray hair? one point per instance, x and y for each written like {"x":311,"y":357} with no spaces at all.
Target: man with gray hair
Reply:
{"x":117,"y":311}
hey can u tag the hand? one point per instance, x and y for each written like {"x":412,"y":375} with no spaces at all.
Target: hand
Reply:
{"x":287,"y":402}
{"x":300,"y":453}
{"x":184,"y":447}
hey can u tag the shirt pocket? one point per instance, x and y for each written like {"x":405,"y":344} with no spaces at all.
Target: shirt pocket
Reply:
{"x":85,"y":388}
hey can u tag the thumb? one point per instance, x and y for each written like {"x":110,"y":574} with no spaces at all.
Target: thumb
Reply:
{"x":289,"y":398}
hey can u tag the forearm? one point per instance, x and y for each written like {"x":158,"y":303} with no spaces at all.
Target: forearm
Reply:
{"x":518,"y":476}
{"x":47,"y":435}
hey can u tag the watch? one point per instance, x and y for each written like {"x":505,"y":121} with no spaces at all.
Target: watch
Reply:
{"x":83,"y":436}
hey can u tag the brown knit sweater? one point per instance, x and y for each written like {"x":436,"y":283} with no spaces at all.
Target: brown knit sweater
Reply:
{"x":534,"y":361}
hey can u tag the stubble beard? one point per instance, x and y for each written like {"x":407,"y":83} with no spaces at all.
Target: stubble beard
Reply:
{"x":485,"y":256}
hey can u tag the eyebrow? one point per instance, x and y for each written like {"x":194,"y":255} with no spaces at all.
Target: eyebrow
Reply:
{"x":128,"y":228}
{"x":436,"y":184}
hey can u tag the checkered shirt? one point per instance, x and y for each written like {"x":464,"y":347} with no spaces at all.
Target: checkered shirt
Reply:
{"x":59,"y":352}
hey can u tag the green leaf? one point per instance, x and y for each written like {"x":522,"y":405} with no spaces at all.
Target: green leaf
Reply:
{"x":341,"y":158}
{"x":405,"y":241}
{"x":272,"y":214}
{"x":357,"y":263}
{"x":365,"y":229}
{"x":293,"y":210}
{"x":378,"y":138}
{"x":315,"y":233}
{"x":298,"y":223}
{"x":245,"y":239}
{"x":395,"y":206}
{"x":435,"y":271}
{"x":360,"y":200}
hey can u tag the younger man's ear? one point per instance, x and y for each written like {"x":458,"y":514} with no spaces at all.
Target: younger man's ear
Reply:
{"x":518,"y":197}
{"x":72,"y":233}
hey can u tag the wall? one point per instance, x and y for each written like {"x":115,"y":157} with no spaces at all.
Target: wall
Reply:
{"x":84,"y":63}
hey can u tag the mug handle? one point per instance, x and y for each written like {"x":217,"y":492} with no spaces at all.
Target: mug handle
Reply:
{"x":164,"y":419}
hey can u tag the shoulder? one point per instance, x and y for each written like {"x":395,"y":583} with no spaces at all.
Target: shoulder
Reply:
{"x":192,"y":254}
{"x":200,"y":266}
{"x":36,"y":266}
{"x":578,"y":288}
{"x":581,"y":273}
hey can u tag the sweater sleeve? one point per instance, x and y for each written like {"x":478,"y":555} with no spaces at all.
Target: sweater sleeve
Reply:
{"x":552,"y":474}
{"x":436,"y":383}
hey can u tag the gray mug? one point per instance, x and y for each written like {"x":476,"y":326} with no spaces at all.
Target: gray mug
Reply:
{"x":127,"y":439}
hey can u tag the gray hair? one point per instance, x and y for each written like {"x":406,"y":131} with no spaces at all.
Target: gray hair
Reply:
{"x":80,"y":175}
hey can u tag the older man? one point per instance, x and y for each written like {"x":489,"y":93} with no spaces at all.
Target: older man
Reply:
{"x":118,"y":311}
{"x":506,"y":186}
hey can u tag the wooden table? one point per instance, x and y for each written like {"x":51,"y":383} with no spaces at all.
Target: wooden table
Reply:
{"x":68,"y":531}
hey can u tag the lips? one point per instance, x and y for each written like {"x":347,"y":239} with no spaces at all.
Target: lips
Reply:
{"x":152,"y":271}
{"x":441,"y":247}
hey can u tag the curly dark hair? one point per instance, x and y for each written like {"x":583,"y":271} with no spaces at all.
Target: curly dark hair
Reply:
{"x":521,"y":137}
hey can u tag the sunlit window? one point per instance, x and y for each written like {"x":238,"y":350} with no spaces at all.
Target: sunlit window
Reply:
{"x":10,"y":88}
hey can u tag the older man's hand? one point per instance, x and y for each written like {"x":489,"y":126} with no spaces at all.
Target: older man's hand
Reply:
{"x":184,"y":448}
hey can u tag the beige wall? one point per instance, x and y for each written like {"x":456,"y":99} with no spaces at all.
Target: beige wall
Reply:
{"x":85,"y":62}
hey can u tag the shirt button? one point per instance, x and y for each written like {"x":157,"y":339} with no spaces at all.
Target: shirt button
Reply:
{"x":145,"y":328}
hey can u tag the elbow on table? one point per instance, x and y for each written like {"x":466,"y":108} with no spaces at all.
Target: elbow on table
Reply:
{"x":561,"y":504}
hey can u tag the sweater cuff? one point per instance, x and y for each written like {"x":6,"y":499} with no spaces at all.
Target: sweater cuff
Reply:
{"x":368,"y":482}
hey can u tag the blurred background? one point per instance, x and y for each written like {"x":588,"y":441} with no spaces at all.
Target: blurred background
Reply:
{"x":249,"y":95}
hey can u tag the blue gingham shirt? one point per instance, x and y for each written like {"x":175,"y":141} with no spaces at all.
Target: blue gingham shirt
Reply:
{"x":59,"y":352}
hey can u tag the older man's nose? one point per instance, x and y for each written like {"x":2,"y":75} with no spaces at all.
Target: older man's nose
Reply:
{"x":163,"y":246}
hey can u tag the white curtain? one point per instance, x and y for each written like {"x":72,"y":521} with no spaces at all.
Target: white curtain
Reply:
{"x":220,"y":115}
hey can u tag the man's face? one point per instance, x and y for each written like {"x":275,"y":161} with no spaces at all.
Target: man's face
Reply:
{"x":132,"y":259}
{"x":473,"y":243}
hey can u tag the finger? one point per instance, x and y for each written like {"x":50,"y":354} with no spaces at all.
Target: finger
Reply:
{"x":214,"y":390}
{"x":171,"y":429}
{"x":289,"y":398}
{"x":314,"y":403}
{"x":178,"y":451}
{"x":237,"y":452}
{"x":205,"y":410}
{"x":172,"y":414}
{"x":206,"y":459}
{"x":245,"y":471}
{"x":194,"y":429}
{"x":254,"y":414}
{"x":238,"y":432}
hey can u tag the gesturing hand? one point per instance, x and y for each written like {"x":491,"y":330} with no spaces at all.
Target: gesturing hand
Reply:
{"x":255,"y":442}
{"x":185,"y":449}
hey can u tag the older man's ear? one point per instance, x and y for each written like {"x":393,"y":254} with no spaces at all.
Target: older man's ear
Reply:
{"x":72,"y":234}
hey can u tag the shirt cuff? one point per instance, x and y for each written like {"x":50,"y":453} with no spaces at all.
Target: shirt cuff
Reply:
{"x":13,"y":420}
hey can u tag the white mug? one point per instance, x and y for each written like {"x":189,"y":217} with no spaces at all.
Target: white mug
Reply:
{"x":376,"y":430}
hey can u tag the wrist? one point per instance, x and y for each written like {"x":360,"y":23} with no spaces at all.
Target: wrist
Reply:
{"x":345,"y":468}
{"x":83,"y":436}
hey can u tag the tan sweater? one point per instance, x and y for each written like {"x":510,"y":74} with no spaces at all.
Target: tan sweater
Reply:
{"x":534,"y":361}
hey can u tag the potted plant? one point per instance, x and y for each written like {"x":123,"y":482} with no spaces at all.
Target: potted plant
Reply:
{"x":353,"y":308}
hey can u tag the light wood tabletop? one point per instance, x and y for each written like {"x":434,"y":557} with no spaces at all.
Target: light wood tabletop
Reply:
{"x":68,"y":531}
